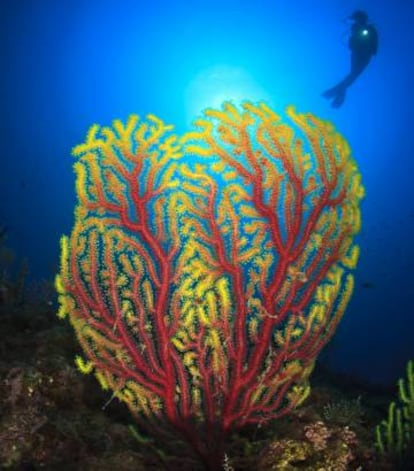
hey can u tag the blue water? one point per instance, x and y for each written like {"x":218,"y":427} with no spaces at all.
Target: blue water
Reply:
{"x":66,"y":65}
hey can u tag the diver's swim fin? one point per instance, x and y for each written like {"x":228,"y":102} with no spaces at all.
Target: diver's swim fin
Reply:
{"x":339,"y":99}
{"x":338,"y":94}
{"x":330,"y":93}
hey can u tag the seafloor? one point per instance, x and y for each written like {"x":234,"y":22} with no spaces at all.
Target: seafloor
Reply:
{"x":54,"y":418}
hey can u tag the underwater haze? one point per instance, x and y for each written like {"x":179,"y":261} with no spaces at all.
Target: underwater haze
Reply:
{"x":67,"y":65}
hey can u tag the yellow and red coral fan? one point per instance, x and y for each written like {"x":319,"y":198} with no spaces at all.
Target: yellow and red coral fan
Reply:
{"x":204,"y":274}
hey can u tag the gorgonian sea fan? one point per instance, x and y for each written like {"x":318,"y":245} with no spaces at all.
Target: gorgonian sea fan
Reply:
{"x":205,"y":273}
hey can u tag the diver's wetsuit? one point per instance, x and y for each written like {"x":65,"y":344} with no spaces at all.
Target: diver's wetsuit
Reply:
{"x":363,"y":44}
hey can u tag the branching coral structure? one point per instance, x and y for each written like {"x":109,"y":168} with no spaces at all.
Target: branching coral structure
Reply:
{"x":205,"y":273}
{"x":395,"y":436}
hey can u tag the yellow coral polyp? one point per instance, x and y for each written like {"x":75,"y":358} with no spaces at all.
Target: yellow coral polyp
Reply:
{"x":85,"y":367}
{"x":67,"y":305}
{"x":223,"y":290}
{"x":126,"y":396}
{"x":214,"y":339}
{"x":351,"y":259}
{"x":211,"y":302}
{"x":189,"y":318}
{"x":324,"y":294}
{"x":218,"y":166}
{"x":189,"y":358}
{"x":257,"y":394}
{"x":194,"y":371}
{"x":253,"y":327}
{"x":317,"y":313}
{"x":122,"y":281}
{"x":334,"y":276}
{"x":62,"y":311}
{"x":203,"y":286}
{"x":100,"y":376}
{"x":297,"y":333}
{"x":202,"y":316}
{"x":178,"y":344}
{"x":248,"y":254}
{"x":248,"y":211}
{"x":149,"y":296}
{"x":59,"y":284}
{"x":186,"y":286}
{"x":300,"y":394}
{"x":196,"y":397}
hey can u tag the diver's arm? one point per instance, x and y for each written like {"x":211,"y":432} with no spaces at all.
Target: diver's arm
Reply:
{"x":353,"y":38}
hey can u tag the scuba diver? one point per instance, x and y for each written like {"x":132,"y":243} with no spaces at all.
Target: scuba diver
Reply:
{"x":363,"y":43}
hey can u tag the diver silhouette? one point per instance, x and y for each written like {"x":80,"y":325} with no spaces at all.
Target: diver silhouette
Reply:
{"x":363,"y":43}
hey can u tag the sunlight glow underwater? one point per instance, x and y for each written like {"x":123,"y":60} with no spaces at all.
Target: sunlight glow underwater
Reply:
{"x":211,"y":87}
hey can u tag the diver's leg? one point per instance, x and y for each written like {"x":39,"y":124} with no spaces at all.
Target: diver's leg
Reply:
{"x":338,"y":92}
{"x":358,"y":65}
{"x":347,"y":81}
